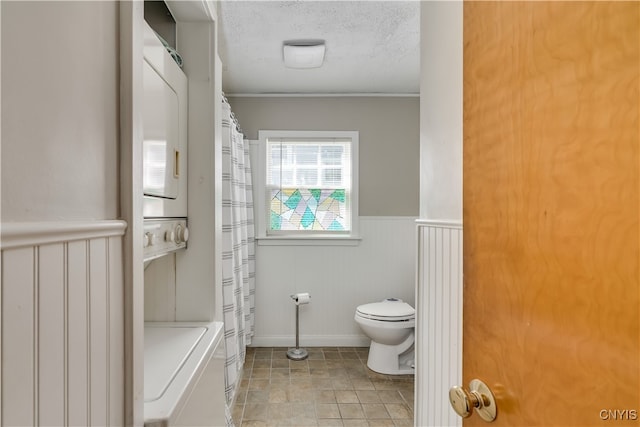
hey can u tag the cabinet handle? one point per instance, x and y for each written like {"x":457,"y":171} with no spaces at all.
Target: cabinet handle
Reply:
{"x":176,"y":164}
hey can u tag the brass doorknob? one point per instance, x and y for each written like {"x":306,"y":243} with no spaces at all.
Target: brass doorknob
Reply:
{"x":479,"y":397}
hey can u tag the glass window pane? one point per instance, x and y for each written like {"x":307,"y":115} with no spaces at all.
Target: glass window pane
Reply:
{"x":332,"y":177}
{"x":306,"y":177}
{"x":287,"y":155}
{"x":281,"y":154}
{"x":275,"y":154}
{"x":274,"y":177}
{"x":306,"y":154}
{"x":332,"y":154}
{"x":308,"y":209}
{"x":287,"y":177}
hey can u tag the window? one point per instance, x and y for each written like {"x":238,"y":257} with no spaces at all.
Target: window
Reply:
{"x":307,"y":188}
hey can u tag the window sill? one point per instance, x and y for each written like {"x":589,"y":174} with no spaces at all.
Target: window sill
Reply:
{"x":308,"y":241}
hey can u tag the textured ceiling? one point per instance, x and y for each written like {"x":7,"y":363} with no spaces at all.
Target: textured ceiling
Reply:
{"x":371,"y":46}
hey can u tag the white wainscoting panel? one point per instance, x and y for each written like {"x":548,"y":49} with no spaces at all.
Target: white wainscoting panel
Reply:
{"x":438,"y":322}
{"x":62,"y":324}
{"x":338,"y":278}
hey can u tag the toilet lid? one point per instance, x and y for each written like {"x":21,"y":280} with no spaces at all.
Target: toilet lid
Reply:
{"x":387,"y":310}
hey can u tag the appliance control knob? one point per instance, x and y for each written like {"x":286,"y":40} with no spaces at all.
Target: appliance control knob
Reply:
{"x":182,"y":234}
{"x":145,"y":240}
{"x":152,"y":238}
{"x":169,"y":236}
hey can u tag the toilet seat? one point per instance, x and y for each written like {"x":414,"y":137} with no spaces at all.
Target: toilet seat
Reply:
{"x":385,"y":324}
{"x":387,"y":311}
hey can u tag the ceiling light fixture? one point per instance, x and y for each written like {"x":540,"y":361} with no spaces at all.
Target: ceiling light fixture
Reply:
{"x":303,"y":53}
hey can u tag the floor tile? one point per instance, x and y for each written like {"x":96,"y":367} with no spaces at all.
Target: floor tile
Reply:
{"x":350,"y":355}
{"x":362,"y":384}
{"x":259,"y":384}
{"x":298,"y":364}
{"x":325,"y":396}
{"x":322,"y":383}
{"x":391,"y":396}
{"x":278,"y":395}
{"x":303,"y":422}
{"x":341,"y":384}
{"x":255,"y":411}
{"x":375,"y":411}
{"x":332,"y":355}
{"x":257,"y":396}
{"x":368,"y":396}
{"x":346,"y":396}
{"x":330,"y":422}
{"x":317,"y":356}
{"x":263,"y":355}
{"x":334,"y":364}
{"x":302,"y":383}
{"x":279,"y":411}
{"x":278,"y":373}
{"x":298,"y":374}
{"x":327,"y":410}
{"x":384,"y":385}
{"x":260,"y":372}
{"x":262,"y":363}
{"x":303,"y":410}
{"x":279,"y":383}
{"x":319,"y":373}
{"x":382,"y":423}
{"x":350,"y":410}
{"x":337,"y":372}
{"x":332,"y":387}
{"x":301,"y":396}
{"x":398,"y":410}
{"x":319,"y":363}
{"x":280,"y":363}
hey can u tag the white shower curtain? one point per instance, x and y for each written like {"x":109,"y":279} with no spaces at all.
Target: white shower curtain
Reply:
{"x":238,"y":249}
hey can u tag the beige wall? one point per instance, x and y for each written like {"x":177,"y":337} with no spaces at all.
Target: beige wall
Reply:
{"x":389,"y":140}
{"x":59,"y":111}
{"x":441,"y":110}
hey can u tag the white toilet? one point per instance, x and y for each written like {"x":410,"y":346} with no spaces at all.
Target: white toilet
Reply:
{"x":390,"y":325}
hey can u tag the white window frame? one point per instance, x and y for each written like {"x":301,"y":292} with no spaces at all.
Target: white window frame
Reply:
{"x":260,"y":200}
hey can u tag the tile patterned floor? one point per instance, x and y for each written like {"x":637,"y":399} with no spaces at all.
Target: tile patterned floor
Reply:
{"x":333,"y":387}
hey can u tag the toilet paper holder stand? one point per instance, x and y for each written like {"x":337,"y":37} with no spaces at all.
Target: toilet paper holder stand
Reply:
{"x":298,"y":353}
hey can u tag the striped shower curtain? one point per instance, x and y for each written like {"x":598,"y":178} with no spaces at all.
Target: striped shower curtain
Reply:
{"x":238,"y":249}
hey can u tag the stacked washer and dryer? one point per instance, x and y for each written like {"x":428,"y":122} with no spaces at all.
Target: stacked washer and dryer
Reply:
{"x":183,"y":361}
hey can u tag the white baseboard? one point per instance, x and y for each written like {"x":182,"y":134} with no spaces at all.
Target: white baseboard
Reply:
{"x":311,"y":341}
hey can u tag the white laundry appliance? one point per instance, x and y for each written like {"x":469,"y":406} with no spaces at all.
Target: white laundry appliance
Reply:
{"x":184,"y":374}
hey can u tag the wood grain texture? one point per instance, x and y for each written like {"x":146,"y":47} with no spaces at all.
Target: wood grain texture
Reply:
{"x":551,"y":242}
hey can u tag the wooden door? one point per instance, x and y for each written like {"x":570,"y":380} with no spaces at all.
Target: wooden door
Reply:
{"x":551,"y":237}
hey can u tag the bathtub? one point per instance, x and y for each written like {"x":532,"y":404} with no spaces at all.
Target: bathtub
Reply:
{"x":183,"y":374}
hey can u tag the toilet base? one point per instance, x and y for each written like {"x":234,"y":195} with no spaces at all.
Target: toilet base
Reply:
{"x":385,"y":359}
